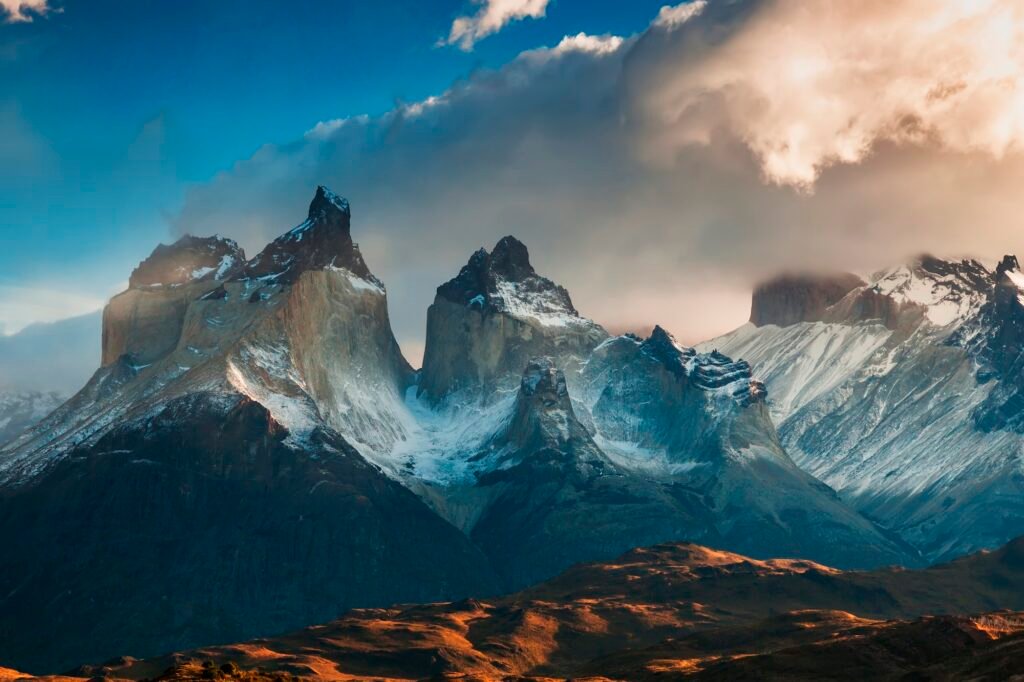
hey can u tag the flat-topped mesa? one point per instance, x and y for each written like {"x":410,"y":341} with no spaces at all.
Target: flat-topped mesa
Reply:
{"x":190,"y":259}
{"x":323,"y":240}
{"x":791,"y":299}
{"x":495,"y":316}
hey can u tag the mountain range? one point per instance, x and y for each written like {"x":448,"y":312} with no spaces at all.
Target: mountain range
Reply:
{"x":902,"y":393}
{"x":41,"y":366}
{"x":255,"y":454}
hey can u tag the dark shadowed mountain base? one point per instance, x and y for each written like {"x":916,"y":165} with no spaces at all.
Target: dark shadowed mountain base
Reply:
{"x":204,"y":525}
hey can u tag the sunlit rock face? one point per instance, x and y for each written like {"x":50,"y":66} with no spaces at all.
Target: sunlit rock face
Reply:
{"x":903,"y":399}
{"x":487,"y":323}
{"x":145,"y":321}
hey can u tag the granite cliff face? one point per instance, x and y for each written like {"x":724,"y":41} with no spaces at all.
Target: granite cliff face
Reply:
{"x":570,"y":445}
{"x":904,"y":397}
{"x":487,"y":323}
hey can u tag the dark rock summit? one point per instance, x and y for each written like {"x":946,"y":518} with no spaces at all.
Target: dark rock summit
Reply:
{"x":495,"y":316}
{"x":998,"y":341}
{"x":203,"y":524}
{"x":791,"y":299}
{"x":323,"y":240}
{"x":491,"y":279}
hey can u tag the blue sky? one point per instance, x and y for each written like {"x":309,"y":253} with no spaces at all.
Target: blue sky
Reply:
{"x":109,"y":110}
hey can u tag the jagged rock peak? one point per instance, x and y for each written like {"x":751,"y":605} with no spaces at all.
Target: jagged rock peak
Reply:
{"x":504,"y":281}
{"x":544,"y":382}
{"x":946,"y":291}
{"x":1009,"y":263}
{"x":662,"y":346}
{"x":511,"y":259}
{"x":713,"y":372}
{"x":543,"y":407}
{"x":794,"y":298}
{"x":966,"y":272}
{"x":190,"y":259}
{"x":326,"y":204}
{"x":323,"y":240}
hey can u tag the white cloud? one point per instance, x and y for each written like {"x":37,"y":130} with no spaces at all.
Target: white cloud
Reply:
{"x":491,"y":18}
{"x":22,"y":10}
{"x":581,"y":42}
{"x":807,"y":84}
{"x":673,"y":16}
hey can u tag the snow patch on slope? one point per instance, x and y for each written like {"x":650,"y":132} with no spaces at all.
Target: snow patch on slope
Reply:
{"x":801,"y":362}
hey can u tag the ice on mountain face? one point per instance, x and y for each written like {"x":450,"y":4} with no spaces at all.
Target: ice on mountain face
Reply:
{"x":801,"y":362}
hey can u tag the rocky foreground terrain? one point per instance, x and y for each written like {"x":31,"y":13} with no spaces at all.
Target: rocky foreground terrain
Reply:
{"x":668,"y":612}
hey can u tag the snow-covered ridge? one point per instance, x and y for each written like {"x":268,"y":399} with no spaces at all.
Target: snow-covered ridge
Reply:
{"x":539,"y":304}
{"x":948,"y":291}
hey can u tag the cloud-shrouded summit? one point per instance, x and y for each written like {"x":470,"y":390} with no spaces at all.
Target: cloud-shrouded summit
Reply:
{"x":663,"y":173}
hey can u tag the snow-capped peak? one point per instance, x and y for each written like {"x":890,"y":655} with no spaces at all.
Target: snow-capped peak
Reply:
{"x":949,"y":291}
{"x":323,"y":240}
{"x":505,"y":281}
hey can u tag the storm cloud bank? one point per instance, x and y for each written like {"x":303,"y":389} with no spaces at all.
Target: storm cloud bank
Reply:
{"x":658,"y":176}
